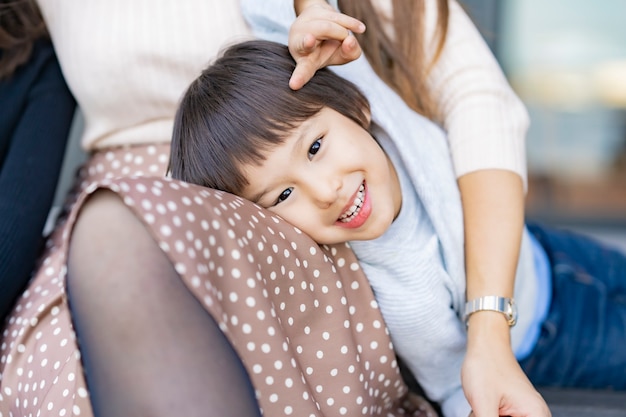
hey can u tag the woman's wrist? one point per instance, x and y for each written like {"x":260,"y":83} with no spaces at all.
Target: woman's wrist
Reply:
{"x":488,"y":327}
{"x":300,"y":5}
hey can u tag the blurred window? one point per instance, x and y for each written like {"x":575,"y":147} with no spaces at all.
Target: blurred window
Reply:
{"x":567,"y":61}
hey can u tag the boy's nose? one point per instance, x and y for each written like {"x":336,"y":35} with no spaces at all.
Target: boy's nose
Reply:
{"x":325,"y":191}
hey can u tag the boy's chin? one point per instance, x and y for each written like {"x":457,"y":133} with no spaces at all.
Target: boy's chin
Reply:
{"x":326,"y":240}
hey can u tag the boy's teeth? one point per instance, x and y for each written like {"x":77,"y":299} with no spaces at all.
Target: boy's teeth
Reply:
{"x":355,"y":207}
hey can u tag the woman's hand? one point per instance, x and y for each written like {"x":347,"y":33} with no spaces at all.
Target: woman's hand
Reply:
{"x":319,"y":37}
{"x":493,"y":381}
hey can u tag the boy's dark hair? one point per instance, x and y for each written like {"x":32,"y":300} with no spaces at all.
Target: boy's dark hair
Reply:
{"x":241,"y":106}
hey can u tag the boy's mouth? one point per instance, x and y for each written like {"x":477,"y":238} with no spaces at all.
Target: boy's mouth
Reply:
{"x":351,"y":212}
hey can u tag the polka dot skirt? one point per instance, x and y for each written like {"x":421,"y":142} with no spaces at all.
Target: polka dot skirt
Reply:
{"x":302,"y":317}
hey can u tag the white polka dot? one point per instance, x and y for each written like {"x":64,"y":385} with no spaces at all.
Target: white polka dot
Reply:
{"x":181,"y":268}
{"x":195,"y":281}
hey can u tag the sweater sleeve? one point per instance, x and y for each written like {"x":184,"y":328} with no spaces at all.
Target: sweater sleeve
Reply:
{"x":485,"y":121}
{"x":34,"y":125}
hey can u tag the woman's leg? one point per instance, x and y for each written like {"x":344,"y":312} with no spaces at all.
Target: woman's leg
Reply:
{"x":147,"y":344}
{"x":583,"y":338}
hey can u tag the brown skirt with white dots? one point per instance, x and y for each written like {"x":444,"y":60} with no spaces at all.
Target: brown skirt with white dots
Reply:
{"x":277,"y":296}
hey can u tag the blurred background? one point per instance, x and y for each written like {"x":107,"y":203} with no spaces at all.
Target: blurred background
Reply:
{"x":566,"y":59}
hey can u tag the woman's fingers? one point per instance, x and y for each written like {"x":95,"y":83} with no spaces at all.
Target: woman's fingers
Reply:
{"x":325,"y":53}
{"x":322,"y":36}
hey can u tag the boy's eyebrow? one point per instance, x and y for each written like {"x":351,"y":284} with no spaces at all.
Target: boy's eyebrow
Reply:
{"x":304,"y":133}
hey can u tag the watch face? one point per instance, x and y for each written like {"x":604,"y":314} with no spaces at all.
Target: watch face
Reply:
{"x":512,"y":312}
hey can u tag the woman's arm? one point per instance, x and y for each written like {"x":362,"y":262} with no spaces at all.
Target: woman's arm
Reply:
{"x":493,"y":381}
{"x":34,"y":125}
{"x":486,"y":125}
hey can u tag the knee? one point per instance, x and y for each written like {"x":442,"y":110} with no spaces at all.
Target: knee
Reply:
{"x":98,"y":226}
{"x":106,"y":238}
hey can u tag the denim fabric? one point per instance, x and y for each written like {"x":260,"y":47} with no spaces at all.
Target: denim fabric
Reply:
{"x":583,"y":339}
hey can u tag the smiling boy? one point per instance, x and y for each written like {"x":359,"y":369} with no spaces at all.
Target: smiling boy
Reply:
{"x":330,"y":178}
{"x":306,"y":156}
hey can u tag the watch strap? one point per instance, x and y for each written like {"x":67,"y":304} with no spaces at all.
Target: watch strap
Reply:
{"x":503,"y":305}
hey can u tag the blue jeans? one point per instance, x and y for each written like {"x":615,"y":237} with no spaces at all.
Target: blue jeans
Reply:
{"x":583,"y":340}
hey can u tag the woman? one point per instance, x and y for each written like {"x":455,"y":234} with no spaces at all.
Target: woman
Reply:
{"x":110,"y":237}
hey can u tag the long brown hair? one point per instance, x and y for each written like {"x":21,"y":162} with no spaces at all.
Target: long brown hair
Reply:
{"x":21,"y":25}
{"x":402,"y":61}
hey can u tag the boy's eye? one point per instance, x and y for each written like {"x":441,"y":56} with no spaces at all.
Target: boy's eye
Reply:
{"x":284,"y":195}
{"x":315,"y":147}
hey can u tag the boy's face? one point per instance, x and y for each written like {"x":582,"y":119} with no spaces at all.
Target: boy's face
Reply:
{"x":330,"y":179}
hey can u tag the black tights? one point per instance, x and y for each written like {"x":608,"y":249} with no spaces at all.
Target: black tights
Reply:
{"x":148,"y":346}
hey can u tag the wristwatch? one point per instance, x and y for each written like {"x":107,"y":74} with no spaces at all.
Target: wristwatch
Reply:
{"x":503,"y":305}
